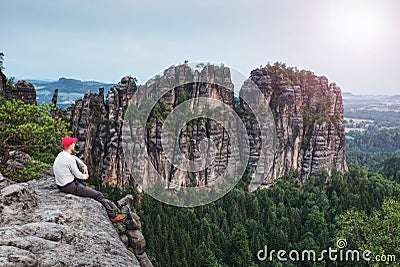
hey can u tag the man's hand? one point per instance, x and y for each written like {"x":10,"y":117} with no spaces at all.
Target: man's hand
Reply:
{"x":86,"y":173}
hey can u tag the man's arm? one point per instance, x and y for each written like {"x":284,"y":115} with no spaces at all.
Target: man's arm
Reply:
{"x":74,"y":168}
{"x":80,"y":163}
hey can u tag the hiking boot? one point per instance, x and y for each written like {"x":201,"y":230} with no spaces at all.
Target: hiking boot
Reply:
{"x":118,"y":218}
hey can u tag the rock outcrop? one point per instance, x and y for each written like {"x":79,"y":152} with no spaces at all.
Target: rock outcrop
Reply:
{"x":22,"y":90}
{"x":182,"y":83}
{"x":309,"y":122}
{"x":97,"y":123}
{"x":41,"y":226}
{"x":308,"y":114}
{"x":130,"y":232}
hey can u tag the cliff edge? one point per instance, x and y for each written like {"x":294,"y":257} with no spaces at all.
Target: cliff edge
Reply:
{"x":41,"y":226}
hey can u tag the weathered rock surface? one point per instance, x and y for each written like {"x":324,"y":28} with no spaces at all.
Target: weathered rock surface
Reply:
{"x":98,"y":126}
{"x":4,"y":181}
{"x":309,"y":123}
{"x":41,"y":226}
{"x":130,"y":231}
{"x":182,"y":83}
{"x":97,"y":123}
{"x":22,"y":90}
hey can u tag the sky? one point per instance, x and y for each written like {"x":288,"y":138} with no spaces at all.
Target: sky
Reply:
{"x":355,"y":43}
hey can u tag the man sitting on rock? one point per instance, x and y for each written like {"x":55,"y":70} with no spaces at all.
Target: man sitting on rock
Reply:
{"x":67,"y":173}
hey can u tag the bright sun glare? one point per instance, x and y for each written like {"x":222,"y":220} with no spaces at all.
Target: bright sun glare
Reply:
{"x":357,"y":25}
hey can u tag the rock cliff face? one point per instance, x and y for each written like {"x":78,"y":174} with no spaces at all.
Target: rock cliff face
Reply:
{"x":98,"y":126}
{"x":309,"y":123}
{"x":22,"y":90}
{"x":41,"y":226}
{"x":97,"y":123}
{"x":181,"y":83}
{"x":308,"y":113}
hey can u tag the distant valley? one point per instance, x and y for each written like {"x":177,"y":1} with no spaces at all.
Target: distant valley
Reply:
{"x":362,"y":111}
{"x":68,"y":90}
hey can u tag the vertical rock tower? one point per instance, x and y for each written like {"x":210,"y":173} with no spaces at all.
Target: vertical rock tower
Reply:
{"x":308,"y":114}
{"x":97,"y":123}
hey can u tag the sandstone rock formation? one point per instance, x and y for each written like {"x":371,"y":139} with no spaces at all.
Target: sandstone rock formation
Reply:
{"x":22,"y":90}
{"x":181,"y":83}
{"x":97,"y":123}
{"x":309,"y":122}
{"x":308,"y":114}
{"x":130,"y":232}
{"x":41,"y":226}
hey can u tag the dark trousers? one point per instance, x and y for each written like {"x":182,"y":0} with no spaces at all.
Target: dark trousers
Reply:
{"x":78,"y":189}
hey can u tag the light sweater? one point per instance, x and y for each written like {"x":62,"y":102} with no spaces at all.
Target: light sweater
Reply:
{"x":66,"y":169}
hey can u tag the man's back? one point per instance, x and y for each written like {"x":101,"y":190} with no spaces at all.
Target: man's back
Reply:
{"x":65,"y":169}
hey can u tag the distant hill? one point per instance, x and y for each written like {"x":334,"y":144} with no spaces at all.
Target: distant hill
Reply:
{"x":68,"y":90}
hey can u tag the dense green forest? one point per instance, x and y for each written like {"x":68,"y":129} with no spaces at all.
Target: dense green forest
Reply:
{"x":376,"y":148}
{"x":375,"y":139}
{"x":230,"y":231}
{"x":360,"y":206}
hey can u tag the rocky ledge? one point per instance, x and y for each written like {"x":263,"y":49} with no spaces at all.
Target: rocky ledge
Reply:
{"x":41,"y":226}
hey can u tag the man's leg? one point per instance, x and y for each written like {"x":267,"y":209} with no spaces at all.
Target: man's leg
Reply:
{"x":79,"y":189}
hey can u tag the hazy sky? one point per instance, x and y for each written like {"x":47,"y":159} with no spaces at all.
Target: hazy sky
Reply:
{"x":354,"y":43}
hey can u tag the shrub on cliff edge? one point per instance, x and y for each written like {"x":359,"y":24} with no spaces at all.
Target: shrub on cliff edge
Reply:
{"x":31,"y":129}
